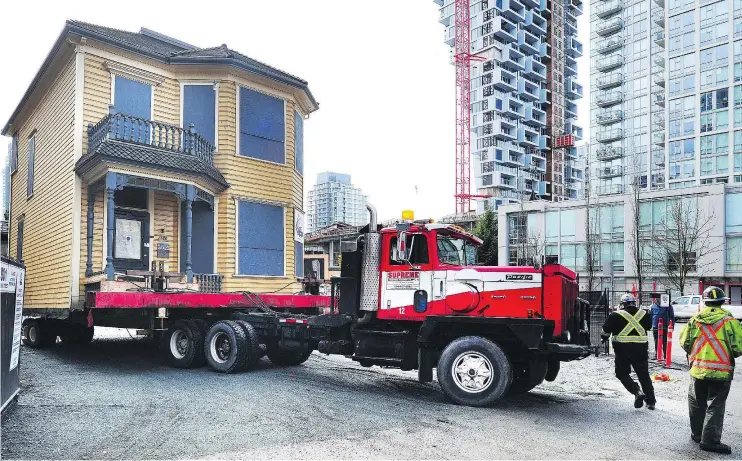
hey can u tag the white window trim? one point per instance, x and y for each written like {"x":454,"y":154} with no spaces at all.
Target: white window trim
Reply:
{"x":296,"y":144}
{"x":237,"y":274}
{"x":216,"y":85}
{"x":237,"y":125}
{"x":151,"y":96}
{"x":30,"y":169}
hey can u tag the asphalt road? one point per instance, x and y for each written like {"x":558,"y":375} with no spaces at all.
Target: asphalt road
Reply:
{"x":116,"y":400}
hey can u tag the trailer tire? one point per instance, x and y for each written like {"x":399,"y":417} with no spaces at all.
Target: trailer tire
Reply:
{"x":484,"y":372}
{"x":553,"y":370}
{"x":183,"y":345}
{"x":535,"y":372}
{"x":76,"y":335}
{"x":252,"y":352}
{"x":225,"y":346}
{"x":36,"y":334}
{"x":286,"y":357}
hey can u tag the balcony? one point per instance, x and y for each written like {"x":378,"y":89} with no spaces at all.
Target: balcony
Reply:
{"x":528,"y":137}
{"x":608,"y":98}
{"x":659,"y":99}
{"x":607,"y":117}
{"x":504,"y":80}
{"x":573,"y":89}
{"x":449,"y":36}
{"x":659,"y":39}
{"x":126,"y":140}
{"x":529,"y":43}
{"x":570,"y":110}
{"x":605,"y":82}
{"x":610,"y":189}
{"x":511,"y":107}
{"x":570,"y":68}
{"x":658,"y":78}
{"x":535,"y":23}
{"x":659,"y":61}
{"x":606,"y":153}
{"x":573,"y":47}
{"x":574,"y":130}
{"x":511,"y":9}
{"x":535,"y":117}
{"x":606,"y":136}
{"x":534,"y":69}
{"x":609,"y":44}
{"x":446,"y":16}
{"x":609,"y":27}
{"x":505,"y":30}
{"x":504,"y":131}
{"x":513,"y":59}
{"x":606,"y":9}
{"x":660,"y":20}
{"x":504,"y":180}
{"x":660,"y":3}
{"x":658,"y":138}
{"x":528,"y":90}
{"x":512,"y":158}
{"x":570,"y":26}
{"x":610,"y":172}
{"x":538,"y":162}
{"x":609,"y":62}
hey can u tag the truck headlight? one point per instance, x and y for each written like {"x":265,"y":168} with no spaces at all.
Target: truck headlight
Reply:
{"x":568,"y":336}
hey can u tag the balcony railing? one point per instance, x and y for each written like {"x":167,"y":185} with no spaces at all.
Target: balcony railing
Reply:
{"x":609,"y":44}
{"x":135,"y":130}
{"x":609,"y":116}
{"x":610,"y":172}
{"x":609,"y":153}
{"x":609,"y":63}
{"x":610,"y":189}
{"x":608,"y":8}
{"x":610,"y":135}
{"x":609,"y":81}
{"x":609,"y":98}
{"x":610,"y":26}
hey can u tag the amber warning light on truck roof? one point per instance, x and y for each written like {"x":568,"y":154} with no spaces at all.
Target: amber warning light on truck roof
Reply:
{"x":408,"y":215}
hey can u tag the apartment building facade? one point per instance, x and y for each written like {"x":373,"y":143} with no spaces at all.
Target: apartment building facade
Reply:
{"x":334,"y":199}
{"x":667,"y":108}
{"x":558,"y":232}
{"x":133,"y":150}
{"x":523,"y":92}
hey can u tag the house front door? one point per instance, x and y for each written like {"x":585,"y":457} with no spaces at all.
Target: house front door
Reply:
{"x":202,"y":238}
{"x":131,"y":240}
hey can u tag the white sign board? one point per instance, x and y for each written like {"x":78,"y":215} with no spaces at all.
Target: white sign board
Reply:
{"x":665,"y":300}
{"x":298,"y":226}
{"x":18,"y":277}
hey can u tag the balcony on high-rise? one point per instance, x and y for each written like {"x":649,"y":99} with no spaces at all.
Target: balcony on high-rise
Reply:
{"x":610,"y":189}
{"x":607,"y":153}
{"x":609,"y":44}
{"x":658,"y":78}
{"x":570,"y":25}
{"x":570,"y":66}
{"x":528,"y":90}
{"x":609,"y":62}
{"x":535,"y":23}
{"x":510,"y":106}
{"x":571,"y":128}
{"x":446,"y":14}
{"x":504,"y":29}
{"x":572,"y":89}
{"x":605,"y":9}
{"x":659,"y":38}
{"x":611,"y":26}
{"x":603,"y":82}
{"x":511,"y":9}
{"x":609,"y":135}
{"x":570,"y":109}
{"x":572,"y":46}
{"x":610,"y":172}
{"x":505,"y":80}
{"x":576,"y":5}
{"x":449,"y":36}
{"x":658,"y":138}
{"x":606,"y":117}
{"x":608,"y":98}
{"x":504,"y":129}
{"x":529,"y":43}
{"x":528,"y":136}
{"x":512,"y":58}
{"x":534,"y":69}
{"x":534,"y":116}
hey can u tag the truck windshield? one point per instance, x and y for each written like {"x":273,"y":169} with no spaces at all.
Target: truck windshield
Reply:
{"x":456,"y":251}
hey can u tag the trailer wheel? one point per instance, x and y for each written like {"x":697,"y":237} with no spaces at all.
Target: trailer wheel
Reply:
{"x":75,"y":334}
{"x":474,"y":371}
{"x":252,"y":352}
{"x":183,"y":344}
{"x":553,"y":370}
{"x":533,"y":376}
{"x":286,"y":357}
{"x":225,"y":346}
{"x":35,"y":334}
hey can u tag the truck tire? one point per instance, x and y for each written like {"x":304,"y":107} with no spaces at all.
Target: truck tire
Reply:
{"x":225,"y":346}
{"x":474,"y":371}
{"x":76,"y":335}
{"x":183,"y":345}
{"x":553,"y":370}
{"x":286,"y":357}
{"x":35,"y":334}
{"x":252,"y":351}
{"x":536,"y":371}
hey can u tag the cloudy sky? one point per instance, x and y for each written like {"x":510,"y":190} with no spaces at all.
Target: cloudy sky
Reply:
{"x":380,"y":71}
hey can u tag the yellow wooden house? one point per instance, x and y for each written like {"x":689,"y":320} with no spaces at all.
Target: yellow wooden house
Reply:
{"x":136,"y":149}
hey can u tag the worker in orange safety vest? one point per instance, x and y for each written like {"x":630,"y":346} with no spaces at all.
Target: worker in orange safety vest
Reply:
{"x":712,"y":338}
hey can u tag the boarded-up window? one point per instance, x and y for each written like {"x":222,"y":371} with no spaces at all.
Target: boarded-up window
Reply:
{"x":14,"y":154}
{"x":261,"y":239}
{"x":135,"y":99}
{"x":299,"y":139}
{"x":31,"y":161}
{"x":262,"y":126}
{"x":19,"y":249}
{"x":199,"y":102}
{"x":299,"y":259}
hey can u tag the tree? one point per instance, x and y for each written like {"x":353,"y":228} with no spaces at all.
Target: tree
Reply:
{"x":636,"y":248}
{"x":486,"y":229}
{"x":592,"y":233}
{"x":683,"y":243}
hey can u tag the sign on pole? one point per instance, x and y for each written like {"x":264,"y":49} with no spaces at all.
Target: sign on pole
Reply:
{"x":665,"y":300}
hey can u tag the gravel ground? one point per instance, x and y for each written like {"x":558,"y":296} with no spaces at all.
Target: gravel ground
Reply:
{"x":116,"y":400}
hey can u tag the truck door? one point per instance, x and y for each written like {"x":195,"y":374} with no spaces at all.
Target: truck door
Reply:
{"x":400,"y":279}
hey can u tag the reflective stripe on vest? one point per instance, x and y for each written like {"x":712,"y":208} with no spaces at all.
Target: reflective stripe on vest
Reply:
{"x":632,"y":324}
{"x":708,"y":338}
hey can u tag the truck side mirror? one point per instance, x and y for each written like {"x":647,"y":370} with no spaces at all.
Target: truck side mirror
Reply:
{"x":402,"y":246}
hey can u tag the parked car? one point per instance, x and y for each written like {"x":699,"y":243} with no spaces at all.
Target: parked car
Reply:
{"x":687,"y":306}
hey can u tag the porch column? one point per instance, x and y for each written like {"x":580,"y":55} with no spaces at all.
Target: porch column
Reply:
{"x":91,"y":224}
{"x":190,"y":196}
{"x":110,"y":189}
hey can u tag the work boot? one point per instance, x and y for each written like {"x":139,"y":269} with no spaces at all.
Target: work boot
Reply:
{"x":717,"y":448}
{"x":639,"y":399}
{"x":650,"y":406}
{"x":695,"y":438}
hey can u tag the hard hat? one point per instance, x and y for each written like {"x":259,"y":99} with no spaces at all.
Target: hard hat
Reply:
{"x":714,"y":296}
{"x":628,"y":298}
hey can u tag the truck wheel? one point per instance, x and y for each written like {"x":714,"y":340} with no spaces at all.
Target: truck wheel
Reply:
{"x":252,"y":351}
{"x":34,"y":334}
{"x":183,"y":344}
{"x":474,"y":371}
{"x":76,"y":335}
{"x":286,"y":357}
{"x":87,"y":334}
{"x":553,"y":370}
{"x":534,"y":374}
{"x":225,"y":346}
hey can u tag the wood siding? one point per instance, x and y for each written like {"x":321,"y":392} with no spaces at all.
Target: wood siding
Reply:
{"x":166,"y":226}
{"x":47,"y":236}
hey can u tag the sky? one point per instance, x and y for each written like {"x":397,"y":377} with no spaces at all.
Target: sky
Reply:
{"x":380,"y":71}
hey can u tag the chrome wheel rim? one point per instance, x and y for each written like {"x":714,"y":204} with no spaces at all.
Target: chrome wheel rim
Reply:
{"x":220,"y":347}
{"x":179,"y":344}
{"x":472,"y":372}
{"x":32,"y":334}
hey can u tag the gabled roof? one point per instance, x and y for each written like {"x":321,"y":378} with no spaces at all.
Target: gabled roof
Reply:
{"x":165,"y":49}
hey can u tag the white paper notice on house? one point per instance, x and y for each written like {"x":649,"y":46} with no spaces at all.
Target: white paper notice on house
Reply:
{"x":19,"y":275}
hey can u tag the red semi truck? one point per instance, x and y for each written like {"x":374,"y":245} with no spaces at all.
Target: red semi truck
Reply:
{"x":409,"y":297}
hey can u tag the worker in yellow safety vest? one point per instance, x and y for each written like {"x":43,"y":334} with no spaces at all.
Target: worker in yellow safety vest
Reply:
{"x":629,"y":327}
{"x":712,"y":338}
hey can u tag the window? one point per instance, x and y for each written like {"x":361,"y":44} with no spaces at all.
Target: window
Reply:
{"x":14,"y":153}
{"x":31,"y":162}
{"x":707,"y":101}
{"x":567,"y":220}
{"x":733,"y":216}
{"x":19,"y":247}
{"x":552,"y":226}
{"x":199,"y":106}
{"x":456,"y":251}
{"x":132,"y":98}
{"x":722,"y":98}
{"x":262,"y":126}
{"x":260,"y":239}
{"x":734,"y":253}
{"x":567,"y":256}
{"x":417,"y":246}
{"x":299,"y":139}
